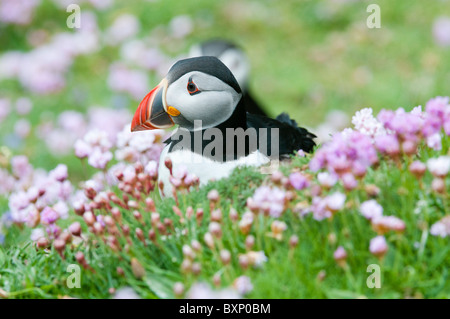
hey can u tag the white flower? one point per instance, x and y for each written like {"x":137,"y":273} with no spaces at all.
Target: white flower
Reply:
{"x":367,"y":124}
{"x":243,"y":285}
{"x":326,"y":179}
{"x":335,"y":201}
{"x":440,"y":166}
{"x":434,"y":141}
{"x":37,"y":233}
{"x":370,"y":209}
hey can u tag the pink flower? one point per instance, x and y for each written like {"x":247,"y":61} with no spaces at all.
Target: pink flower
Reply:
{"x":371,"y":209}
{"x":49,"y":216}
{"x":270,"y":200}
{"x":378,"y":246}
{"x":180,"y":26}
{"x":124,"y":27}
{"x":340,"y":254}
{"x":417,"y":168}
{"x":327,"y":179}
{"x":82,"y":149}
{"x":17,"y":11}
{"x":441,"y":31}
{"x":20,"y":166}
{"x":243,"y":285}
{"x":441,"y":228}
{"x":59,"y":173}
{"x":320,"y":209}
{"x":123,"y":79}
{"x":99,"y":159}
{"x":383,"y":224}
{"x":387,"y":144}
{"x":434,"y":141}
{"x":36,"y":234}
{"x":298,"y":181}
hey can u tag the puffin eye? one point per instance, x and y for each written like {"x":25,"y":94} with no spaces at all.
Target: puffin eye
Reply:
{"x":192,"y":88}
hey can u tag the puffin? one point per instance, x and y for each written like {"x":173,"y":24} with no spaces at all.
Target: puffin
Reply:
{"x":215,"y":133}
{"x":236,"y":60}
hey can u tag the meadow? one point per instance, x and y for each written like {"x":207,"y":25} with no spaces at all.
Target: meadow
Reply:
{"x":367,"y":215}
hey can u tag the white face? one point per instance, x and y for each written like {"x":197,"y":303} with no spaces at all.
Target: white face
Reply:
{"x":213,"y":104}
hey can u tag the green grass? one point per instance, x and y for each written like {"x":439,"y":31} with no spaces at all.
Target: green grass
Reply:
{"x":304,"y":61}
{"x":406,"y":270}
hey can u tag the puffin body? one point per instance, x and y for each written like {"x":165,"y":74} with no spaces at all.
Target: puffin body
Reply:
{"x":215,"y":133}
{"x":236,"y":60}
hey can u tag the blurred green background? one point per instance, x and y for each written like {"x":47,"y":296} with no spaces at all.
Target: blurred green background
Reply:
{"x":307,"y":57}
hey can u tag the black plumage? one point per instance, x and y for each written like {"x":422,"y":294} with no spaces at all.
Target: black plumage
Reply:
{"x":291,"y":137}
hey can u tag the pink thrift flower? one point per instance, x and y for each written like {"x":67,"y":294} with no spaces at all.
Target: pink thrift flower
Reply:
{"x":243,"y":285}
{"x":298,"y":181}
{"x":49,"y":216}
{"x":383,"y":224}
{"x":59,"y":173}
{"x":417,"y":168}
{"x":371,"y":209}
{"x":271,"y":200}
{"x":378,"y":246}
{"x":99,"y":159}
{"x":20,"y":166}
{"x":441,"y":31}
{"x":36,"y":234}
{"x":82,"y":149}
{"x":327,"y":179}
{"x":340,"y":254}
{"x":441,"y":228}
{"x":387,"y":144}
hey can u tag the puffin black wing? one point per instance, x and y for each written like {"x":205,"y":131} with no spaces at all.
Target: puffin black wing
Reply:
{"x":291,"y":137}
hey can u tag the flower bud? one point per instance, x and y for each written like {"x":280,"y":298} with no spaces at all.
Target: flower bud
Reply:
{"x":152,"y":235}
{"x":89,"y":218}
{"x":293,"y":241}
{"x":178,"y":289}
{"x":209,"y":240}
{"x":249,"y":242}
{"x":438,"y":185}
{"x":75,"y":229}
{"x":150,"y":204}
{"x":234,"y":216}
{"x":196,"y":268}
{"x":243,"y":261}
{"x":216,"y":215}
{"x":215,"y":229}
{"x":42,"y":242}
{"x":213,"y":196}
{"x":225,"y":256}
{"x":137,"y":269}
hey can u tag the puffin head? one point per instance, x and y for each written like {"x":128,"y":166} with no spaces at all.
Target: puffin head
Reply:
{"x":200,"y":88}
{"x":229,"y":53}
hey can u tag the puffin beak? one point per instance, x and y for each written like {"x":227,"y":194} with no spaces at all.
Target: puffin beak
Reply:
{"x":151,"y":113}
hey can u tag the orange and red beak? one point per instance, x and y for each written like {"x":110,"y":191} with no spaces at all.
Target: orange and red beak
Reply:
{"x":151,"y":113}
